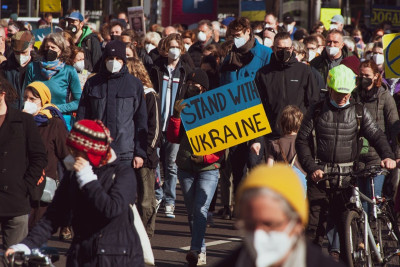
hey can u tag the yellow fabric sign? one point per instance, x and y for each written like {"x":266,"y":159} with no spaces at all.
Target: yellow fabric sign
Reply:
{"x":224,"y":117}
{"x":327,"y":14}
{"x":391,"y":52}
{"x":257,"y":15}
{"x":53,"y":6}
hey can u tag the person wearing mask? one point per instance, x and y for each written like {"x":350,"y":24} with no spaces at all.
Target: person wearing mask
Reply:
{"x":188,"y":39}
{"x":85,"y":38}
{"x":14,"y":27}
{"x":15,"y":67}
{"x":146,"y":178}
{"x":272,"y":218}
{"x":5,"y":50}
{"x":332,"y":55}
{"x":53,"y":130}
{"x":198,"y":175}
{"x":79,"y":65}
{"x":271,"y":21}
{"x":269,"y":35}
{"x":245,"y":58}
{"x":23,"y":158}
{"x":375,"y":96}
{"x":311,"y":43}
{"x":290,"y":26}
{"x":378,"y":57}
{"x":204,"y":38}
{"x":337,"y":23}
{"x":116,"y":98}
{"x":116,"y":29}
{"x":151,"y":41}
{"x":168,"y":30}
{"x":358,"y":38}
{"x":168,"y":76}
{"x":299,"y":50}
{"x":333,"y":126}
{"x":60,"y":78}
{"x":97,"y":191}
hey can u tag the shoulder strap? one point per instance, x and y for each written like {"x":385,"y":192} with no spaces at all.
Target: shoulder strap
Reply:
{"x":359,"y":115}
{"x":316,"y":114}
{"x":282,"y":153}
{"x":293,"y":160}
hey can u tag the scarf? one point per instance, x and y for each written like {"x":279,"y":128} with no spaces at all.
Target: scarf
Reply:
{"x":367,"y":95}
{"x":47,"y":112}
{"x":50,"y":68}
{"x":240,"y":57}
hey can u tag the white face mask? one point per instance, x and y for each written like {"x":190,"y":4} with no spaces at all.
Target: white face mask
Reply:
{"x":333,"y":27}
{"x":201,"y":36}
{"x":268,"y":42}
{"x":187,"y":46}
{"x":30,"y":107}
{"x":21,"y":59}
{"x":257,"y":31}
{"x":272,"y":246}
{"x":149,"y":47}
{"x":79,"y":65}
{"x":289,"y":27}
{"x":174,"y":53}
{"x":222,"y":32}
{"x":378,"y":58}
{"x":239,"y":42}
{"x":69,"y":162}
{"x":268,"y":26}
{"x":311,"y":55}
{"x":113,"y":66}
{"x":332,"y":50}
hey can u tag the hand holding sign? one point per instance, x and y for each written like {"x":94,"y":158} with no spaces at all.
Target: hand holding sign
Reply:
{"x":178,"y":107}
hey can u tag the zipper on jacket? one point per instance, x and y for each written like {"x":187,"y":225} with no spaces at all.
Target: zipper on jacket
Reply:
{"x":336,"y":136}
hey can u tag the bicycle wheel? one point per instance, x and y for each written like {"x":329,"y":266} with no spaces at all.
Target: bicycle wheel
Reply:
{"x":354,"y":249}
{"x":388,"y":239}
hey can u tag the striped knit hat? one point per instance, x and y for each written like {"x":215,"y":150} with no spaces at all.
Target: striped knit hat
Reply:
{"x":93,"y":138}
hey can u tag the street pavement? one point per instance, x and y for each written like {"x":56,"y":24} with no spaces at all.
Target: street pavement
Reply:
{"x":172,"y":238}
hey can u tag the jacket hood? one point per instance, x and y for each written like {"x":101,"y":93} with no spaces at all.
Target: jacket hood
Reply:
{"x":86,"y":31}
{"x":381,"y":90}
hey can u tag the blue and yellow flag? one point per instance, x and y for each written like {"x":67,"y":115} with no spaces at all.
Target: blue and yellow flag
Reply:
{"x":224,"y":117}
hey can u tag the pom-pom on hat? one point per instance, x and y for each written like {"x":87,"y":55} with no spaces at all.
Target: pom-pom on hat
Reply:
{"x":93,"y":138}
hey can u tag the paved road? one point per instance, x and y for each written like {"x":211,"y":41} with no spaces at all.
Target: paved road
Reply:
{"x":172,"y":239}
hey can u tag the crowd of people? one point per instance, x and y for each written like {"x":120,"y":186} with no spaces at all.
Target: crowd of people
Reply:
{"x":98,"y":114}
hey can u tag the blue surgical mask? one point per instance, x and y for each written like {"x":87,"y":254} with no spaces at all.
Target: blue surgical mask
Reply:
{"x":337,"y":106}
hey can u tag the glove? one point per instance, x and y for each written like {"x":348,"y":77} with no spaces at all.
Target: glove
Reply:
{"x":21,"y":247}
{"x":178,"y":107}
{"x":85,"y":176}
{"x":197,"y":159}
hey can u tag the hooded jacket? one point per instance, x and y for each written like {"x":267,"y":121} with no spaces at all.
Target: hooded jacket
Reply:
{"x":196,"y":51}
{"x":336,"y":136}
{"x":117,"y":99}
{"x":91,"y":48}
{"x":285,"y":83}
{"x":384,"y":112}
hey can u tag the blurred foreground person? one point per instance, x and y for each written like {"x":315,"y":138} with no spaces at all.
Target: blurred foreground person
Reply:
{"x":97,"y":191}
{"x":272,"y":217}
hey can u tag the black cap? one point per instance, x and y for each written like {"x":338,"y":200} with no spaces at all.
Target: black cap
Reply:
{"x":199,"y":76}
{"x":299,"y":35}
{"x":288,"y":19}
{"x":115,"y":48}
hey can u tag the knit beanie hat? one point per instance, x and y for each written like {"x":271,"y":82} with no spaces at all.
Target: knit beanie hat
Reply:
{"x":43,"y":90}
{"x":284,"y":181}
{"x":115,"y":48}
{"x":93,"y":138}
{"x":352,"y":63}
{"x":199,"y":76}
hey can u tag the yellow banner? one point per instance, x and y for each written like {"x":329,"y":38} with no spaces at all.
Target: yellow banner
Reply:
{"x":391,"y":52}
{"x":53,"y":6}
{"x":327,"y":14}
{"x":257,"y":15}
{"x":229,"y":131}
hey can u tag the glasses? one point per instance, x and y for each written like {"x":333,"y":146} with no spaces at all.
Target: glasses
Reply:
{"x":270,"y":29}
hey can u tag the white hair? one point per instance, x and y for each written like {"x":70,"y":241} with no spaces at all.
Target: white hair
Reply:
{"x":153,"y":38}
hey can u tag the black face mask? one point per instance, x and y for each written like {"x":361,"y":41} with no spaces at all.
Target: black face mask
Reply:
{"x":192,"y":91}
{"x":72,"y":29}
{"x":50,"y":55}
{"x":283,"y":55}
{"x":9,"y":35}
{"x":364,"y":82}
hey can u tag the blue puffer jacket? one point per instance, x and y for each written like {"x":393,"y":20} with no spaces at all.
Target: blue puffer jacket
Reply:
{"x":117,"y":99}
{"x":261,"y":57}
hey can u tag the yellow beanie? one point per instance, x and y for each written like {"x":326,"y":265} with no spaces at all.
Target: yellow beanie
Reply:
{"x":43,"y":91}
{"x":281,"y":179}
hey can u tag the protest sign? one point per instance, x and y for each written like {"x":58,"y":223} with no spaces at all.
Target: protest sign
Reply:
{"x":253,"y":10}
{"x":391,"y":52}
{"x":40,"y":34}
{"x":381,"y":14}
{"x":327,"y":14}
{"x":136,"y":19}
{"x":224,"y":117}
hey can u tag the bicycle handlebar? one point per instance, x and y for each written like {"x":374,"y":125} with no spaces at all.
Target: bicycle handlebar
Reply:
{"x":371,"y":171}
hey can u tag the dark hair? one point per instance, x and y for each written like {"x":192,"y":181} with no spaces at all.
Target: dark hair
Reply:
{"x":211,"y":60}
{"x":8,"y":89}
{"x":177,"y":37}
{"x":35,"y":92}
{"x":378,"y":45}
{"x":129,"y":32}
{"x":116,"y":23}
{"x":317,"y":25}
{"x":205,"y":22}
{"x":239,"y":25}
{"x":334,"y":31}
{"x":311,"y":40}
{"x":281,"y":36}
{"x":214,"y":49}
{"x":291,"y":119}
{"x":189,"y":34}
{"x":372,"y":65}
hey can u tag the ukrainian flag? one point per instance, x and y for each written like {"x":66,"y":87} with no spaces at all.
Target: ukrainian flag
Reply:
{"x":253,"y":10}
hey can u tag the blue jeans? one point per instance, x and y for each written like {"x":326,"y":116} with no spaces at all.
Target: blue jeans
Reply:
{"x":198,"y":190}
{"x":365,"y":187}
{"x":168,"y":152}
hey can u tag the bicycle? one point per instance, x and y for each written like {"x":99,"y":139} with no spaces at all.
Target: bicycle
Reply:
{"x":43,"y":257}
{"x":357,"y":238}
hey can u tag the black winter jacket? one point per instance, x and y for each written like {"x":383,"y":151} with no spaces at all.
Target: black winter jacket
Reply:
{"x":196,"y":52}
{"x":336,"y":136}
{"x":281,"y":84}
{"x":22,"y":160}
{"x":93,"y":54}
{"x":145,"y":58}
{"x":15,"y":74}
{"x":154,"y":128}
{"x":117,"y":99}
{"x":102,"y":220}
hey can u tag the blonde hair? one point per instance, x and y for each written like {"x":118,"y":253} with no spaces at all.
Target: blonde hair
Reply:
{"x":137,"y":69}
{"x":291,"y":119}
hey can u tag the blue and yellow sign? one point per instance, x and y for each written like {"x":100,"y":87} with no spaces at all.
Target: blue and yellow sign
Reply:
{"x":224,"y":117}
{"x":391,"y":51}
{"x":254,"y":10}
{"x":385,"y":13}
